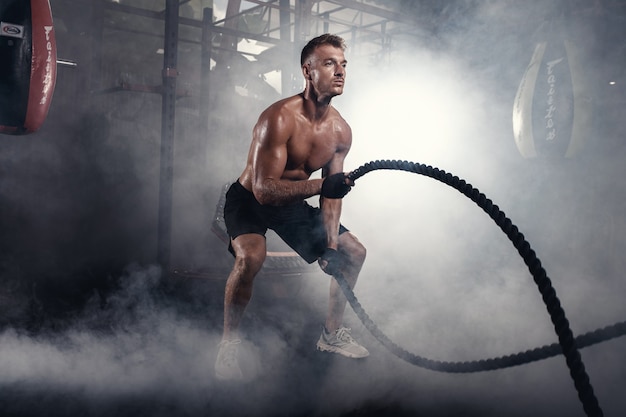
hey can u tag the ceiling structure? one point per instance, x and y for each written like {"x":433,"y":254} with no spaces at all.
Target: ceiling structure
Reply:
{"x":266,"y":36}
{"x":270,"y":34}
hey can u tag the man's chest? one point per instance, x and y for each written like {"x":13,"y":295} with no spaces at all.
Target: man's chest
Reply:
{"x":311,"y":149}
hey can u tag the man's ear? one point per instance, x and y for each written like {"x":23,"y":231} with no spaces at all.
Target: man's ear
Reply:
{"x":306,"y":71}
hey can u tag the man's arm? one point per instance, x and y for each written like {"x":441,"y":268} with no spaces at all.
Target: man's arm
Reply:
{"x":331,"y":207}
{"x":331,"y":213}
{"x":269,"y":159}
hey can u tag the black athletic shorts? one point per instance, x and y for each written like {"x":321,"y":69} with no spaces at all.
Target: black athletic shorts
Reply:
{"x":299,"y":224}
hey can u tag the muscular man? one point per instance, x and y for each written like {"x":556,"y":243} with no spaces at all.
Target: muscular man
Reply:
{"x":293,"y":138}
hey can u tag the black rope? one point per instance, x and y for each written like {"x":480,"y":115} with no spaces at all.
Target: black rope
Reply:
{"x":568,"y":345}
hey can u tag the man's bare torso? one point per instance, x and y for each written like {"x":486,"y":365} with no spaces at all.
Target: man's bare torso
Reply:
{"x":304,"y":144}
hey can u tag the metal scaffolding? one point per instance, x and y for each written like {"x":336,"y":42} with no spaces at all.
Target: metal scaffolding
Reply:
{"x":277,"y":28}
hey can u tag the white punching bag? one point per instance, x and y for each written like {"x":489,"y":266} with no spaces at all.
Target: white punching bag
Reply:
{"x":552,"y":112}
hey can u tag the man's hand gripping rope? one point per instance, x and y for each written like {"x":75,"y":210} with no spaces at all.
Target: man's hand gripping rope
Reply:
{"x":336,"y":185}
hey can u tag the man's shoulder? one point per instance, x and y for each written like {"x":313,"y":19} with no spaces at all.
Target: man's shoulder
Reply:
{"x":282,"y":111}
{"x":335,"y":114}
{"x":288,"y":104}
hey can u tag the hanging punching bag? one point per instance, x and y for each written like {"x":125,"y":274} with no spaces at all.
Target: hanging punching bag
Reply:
{"x":551,"y":111}
{"x":28,"y":64}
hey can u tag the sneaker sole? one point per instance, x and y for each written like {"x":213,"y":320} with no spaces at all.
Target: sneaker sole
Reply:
{"x":334,"y":349}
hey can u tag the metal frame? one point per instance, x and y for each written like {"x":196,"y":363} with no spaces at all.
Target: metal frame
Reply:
{"x":286,"y":24}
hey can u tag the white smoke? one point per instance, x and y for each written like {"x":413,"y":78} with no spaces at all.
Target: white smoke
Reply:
{"x":440,"y":279}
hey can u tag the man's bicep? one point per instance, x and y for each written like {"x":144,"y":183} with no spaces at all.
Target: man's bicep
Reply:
{"x":270,"y":152}
{"x":335,"y":165}
{"x":270,"y":161}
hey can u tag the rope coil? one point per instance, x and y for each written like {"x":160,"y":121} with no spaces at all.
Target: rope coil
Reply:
{"x":568,"y":345}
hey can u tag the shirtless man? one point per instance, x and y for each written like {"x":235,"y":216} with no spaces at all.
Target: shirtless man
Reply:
{"x":293,"y":138}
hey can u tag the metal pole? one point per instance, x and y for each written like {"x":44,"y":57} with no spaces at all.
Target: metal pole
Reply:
{"x":167,"y":133}
{"x":97,"y":35}
{"x":207,"y":49}
{"x":286,"y":77}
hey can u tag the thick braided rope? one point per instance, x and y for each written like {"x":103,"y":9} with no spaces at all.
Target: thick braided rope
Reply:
{"x":567,"y":342}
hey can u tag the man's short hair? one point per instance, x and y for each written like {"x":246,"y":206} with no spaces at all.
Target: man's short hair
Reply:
{"x":325,"y":39}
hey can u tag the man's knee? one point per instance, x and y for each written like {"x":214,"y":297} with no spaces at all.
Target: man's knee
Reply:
{"x":249,"y":263}
{"x":250,"y":253}
{"x":360,"y":253}
{"x":352,"y":248}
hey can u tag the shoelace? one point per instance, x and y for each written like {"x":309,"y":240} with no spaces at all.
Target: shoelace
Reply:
{"x":344,"y":335}
{"x":230,"y":351}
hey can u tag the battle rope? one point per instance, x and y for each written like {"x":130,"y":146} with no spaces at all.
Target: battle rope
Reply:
{"x":567,"y":343}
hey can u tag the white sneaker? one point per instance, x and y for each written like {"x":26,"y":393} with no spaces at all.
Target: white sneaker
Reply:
{"x":227,"y":365}
{"x":341,"y":342}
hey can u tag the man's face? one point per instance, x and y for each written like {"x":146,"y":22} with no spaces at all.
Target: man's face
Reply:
{"x":326,"y":69}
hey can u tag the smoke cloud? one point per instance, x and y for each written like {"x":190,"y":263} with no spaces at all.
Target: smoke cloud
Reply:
{"x":89,"y":326}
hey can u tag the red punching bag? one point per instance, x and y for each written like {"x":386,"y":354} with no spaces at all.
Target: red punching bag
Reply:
{"x":28,"y":64}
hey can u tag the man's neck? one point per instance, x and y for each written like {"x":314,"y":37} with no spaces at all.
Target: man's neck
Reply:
{"x":316,"y":107}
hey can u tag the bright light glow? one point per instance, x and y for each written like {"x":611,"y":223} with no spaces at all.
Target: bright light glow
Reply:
{"x":420,"y":110}
{"x":425,"y":109}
